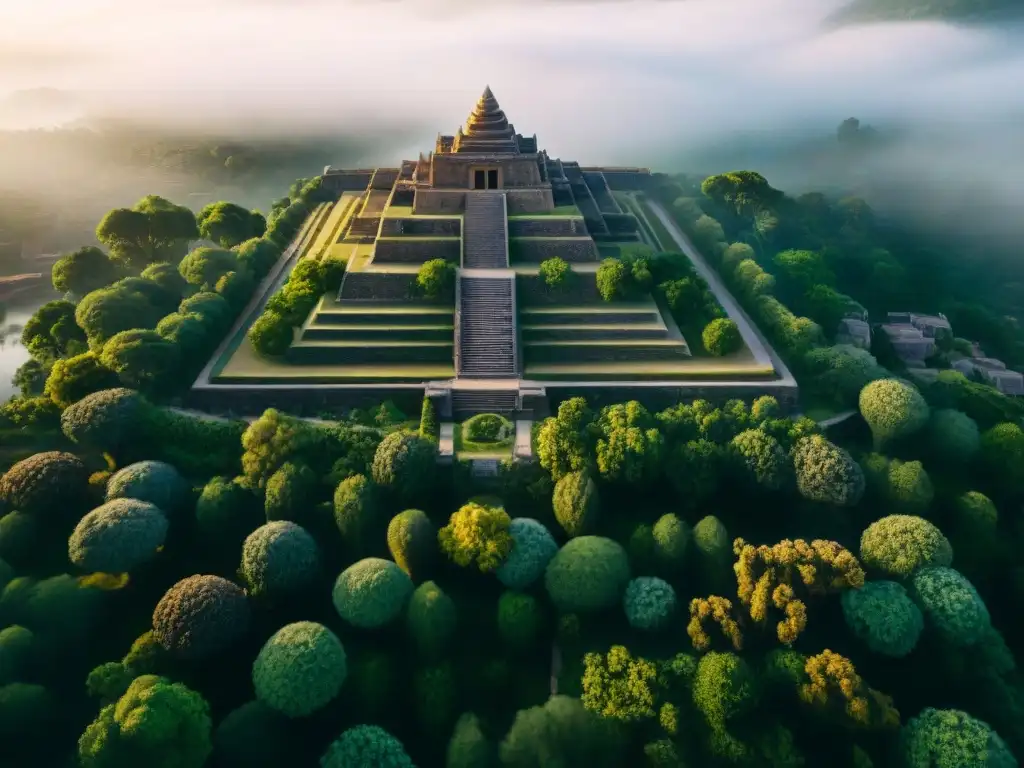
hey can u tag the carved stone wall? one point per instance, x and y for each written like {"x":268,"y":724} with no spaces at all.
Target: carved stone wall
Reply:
{"x":531,"y":290}
{"x":410,"y":251}
{"x":439,"y":201}
{"x":547,"y":227}
{"x":428,"y":227}
{"x":453,"y":170}
{"x":529,"y":201}
{"x":347,"y":181}
{"x":536,"y":251}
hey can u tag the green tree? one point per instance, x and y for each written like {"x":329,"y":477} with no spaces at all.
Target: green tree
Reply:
{"x":271,"y":334}
{"x":1002,"y":456}
{"x":613,"y":279}
{"x":630,"y":446}
{"x":893,"y":409}
{"x":143,"y":360}
{"x":152,"y":230}
{"x":108,"y":311}
{"x":565,"y":441}
{"x":72,"y":379}
{"x":803,"y":269}
{"x":229,"y":224}
{"x":555,"y":272}
{"x":477,"y":535}
{"x":576,"y":503}
{"x":203,"y":267}
{"x":722,"y":337}
{"x":257,"y":256}
{"x":160,"y":723}
{"x":405,"y":465}
{"x":435,"y":280}
{"x":619,"y":686}
{"x":83,"y":271}
{"x":53,"y":332}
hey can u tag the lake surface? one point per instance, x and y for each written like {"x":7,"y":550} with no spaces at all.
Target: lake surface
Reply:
{"x":12,"y":353}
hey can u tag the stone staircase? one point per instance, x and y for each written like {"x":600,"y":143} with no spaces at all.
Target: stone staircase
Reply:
{"x":487,"y":343}
{"x":468,"y":402}
{"x":485,"y":232}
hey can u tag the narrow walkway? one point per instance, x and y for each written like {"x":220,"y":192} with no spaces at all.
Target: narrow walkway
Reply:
{"x":759,"y":346}
{"x":446,"y":444}
{"x":523,"y":448}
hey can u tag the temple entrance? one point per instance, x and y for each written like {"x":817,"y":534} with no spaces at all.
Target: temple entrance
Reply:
{"x":485,"y":178}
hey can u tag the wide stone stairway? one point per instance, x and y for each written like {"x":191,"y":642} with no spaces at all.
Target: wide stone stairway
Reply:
{"x":485,"y":234}
{"x":487,"y":339}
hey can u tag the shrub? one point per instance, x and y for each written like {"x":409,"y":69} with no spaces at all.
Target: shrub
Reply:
{"x":722,"y":337}
{"x":898,"y":545}
{"x":118,"y":536}
{"x":477,"y":534}
{"x":975,"y":534}
{"x":156,"y":722}
{"x":576,"y":503}
{"x":200,"y":616}
{"x":142,"y":359}
{"x":468,"y":746}
{"x":893,"y":409}
{"x":356,"y":510}
{"x":213,"y":307}
{"x":882,"y":615}
{"x":226,"y":512}
{"x":154,"y":481}
{"x":520,"y":619}
{"x":1002,"y":456}
{"x":826,"y":473}
{"x":649,"y":602}
{"x":430,"y":428}
{"x":946,"y":738}
{"x":555,"y":272}
{"x":760,"y":458}
{"x":17,"y":647}
{"x":723,"y":688}
{"x":951,"y":604}
{"x":435,"y":280}
{"x":257,"y":255}
{"x":107,"y":420}
{"x":204,"y":266}
{"x":290,"y":492}
{"x":405,"y":464}
{"x":271,"y":334}
{"x":189,"y":333}
{"x":612,"y":279}
{"x":365,"y":745}
{"x":909,"y":487}
{"x":532,"y":550}
{"x":45,"y":484}
{"x":252,"y":735}
{"x":431,"y":619}
{"x":412,"y":541}
{"x":278,"y":558}
{"x":300,"y":669}
{"x":371,"y":592}
{"x":953,"y":436}
{"x":671,"y":537}
{"x":487,"y":428}
{"x":589,"y":573}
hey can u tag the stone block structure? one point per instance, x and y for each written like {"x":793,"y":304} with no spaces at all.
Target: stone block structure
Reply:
{"x":493,"y":204}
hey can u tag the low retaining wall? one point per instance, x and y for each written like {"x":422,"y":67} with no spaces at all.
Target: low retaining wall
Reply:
{"x":301,"y":400}
{"x":536,"y":251}
{"x":402,"y":251}
{"x":547,"y":227}
{"x":431,"y":227}
{"x":529,"y":201}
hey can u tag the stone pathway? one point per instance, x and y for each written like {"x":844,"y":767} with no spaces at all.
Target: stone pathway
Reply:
{"x":523,"y":448}
{"x":446,"y":444}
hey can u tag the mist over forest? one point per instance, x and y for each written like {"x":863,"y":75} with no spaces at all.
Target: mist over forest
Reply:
{"x":700,"y":86}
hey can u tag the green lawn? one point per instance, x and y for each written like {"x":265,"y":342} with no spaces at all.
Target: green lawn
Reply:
{"x":560,"y":211}
{"x":497,"y":450}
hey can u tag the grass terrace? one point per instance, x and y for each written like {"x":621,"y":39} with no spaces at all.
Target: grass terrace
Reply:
{"x":650,"y":226}
{"x":405,"y":212}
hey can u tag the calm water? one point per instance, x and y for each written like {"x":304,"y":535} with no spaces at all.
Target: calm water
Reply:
{"x":12,"y":353}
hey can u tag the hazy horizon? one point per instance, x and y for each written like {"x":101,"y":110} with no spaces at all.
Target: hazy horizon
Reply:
{"x":660,"y":83}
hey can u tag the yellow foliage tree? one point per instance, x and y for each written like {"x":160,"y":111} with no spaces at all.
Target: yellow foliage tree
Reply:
{"x":768,"y":576}
{"x":477,"y":534}
{"x":717,"y":610}
{"x":835,"y":684}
